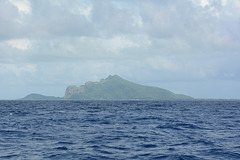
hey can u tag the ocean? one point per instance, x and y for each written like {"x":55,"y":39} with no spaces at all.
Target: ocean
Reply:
{"x":167,"y":130}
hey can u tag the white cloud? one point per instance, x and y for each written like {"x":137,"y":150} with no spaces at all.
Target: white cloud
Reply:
{"x":137,"y":21}
{"x":201,"y":3}
{"x":84,"y":10}
{"x":224,"y":2}
{"x":204,"y":3}
{"x":23,"y":6}
{"x":21,"y":44}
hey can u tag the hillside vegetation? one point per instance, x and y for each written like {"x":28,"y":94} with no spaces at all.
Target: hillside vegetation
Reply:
{"x":116,"y":88}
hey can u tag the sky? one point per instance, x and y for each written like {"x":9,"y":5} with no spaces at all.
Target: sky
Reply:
{"x":190,"y":47}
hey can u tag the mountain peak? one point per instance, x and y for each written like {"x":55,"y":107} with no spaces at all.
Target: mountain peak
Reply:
{"x":113,"y":77}
{"x":115,"y":88}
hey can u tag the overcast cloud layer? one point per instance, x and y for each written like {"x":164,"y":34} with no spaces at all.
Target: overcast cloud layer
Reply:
{"x":186,"y":46}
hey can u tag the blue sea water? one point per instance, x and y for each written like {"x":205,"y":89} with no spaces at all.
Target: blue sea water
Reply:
{"x":178,"y":130}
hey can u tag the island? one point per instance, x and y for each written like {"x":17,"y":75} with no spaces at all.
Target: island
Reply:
{"x":113,"y":88}
{"x":35,"y":96}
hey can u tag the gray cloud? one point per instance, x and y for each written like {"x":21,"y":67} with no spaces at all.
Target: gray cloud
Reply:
{"x":151,"y":42}
{"x":9,"y":27}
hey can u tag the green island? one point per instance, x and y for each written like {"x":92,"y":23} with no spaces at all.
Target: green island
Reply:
{"x":113,"y":88}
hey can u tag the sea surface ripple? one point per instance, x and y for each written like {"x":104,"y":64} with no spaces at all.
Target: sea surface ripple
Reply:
{"x":178,"y":130}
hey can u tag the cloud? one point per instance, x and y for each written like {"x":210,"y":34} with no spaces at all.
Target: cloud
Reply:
{"x":142,"y":40}
{"x":83,"y":9}
{"x":224,"y":2}
{"x":73,"y":49}
{"x":22,"y":44}
{"x":23,"y":6}
{"x":204,"y":3}
{"x":181,"y":24}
